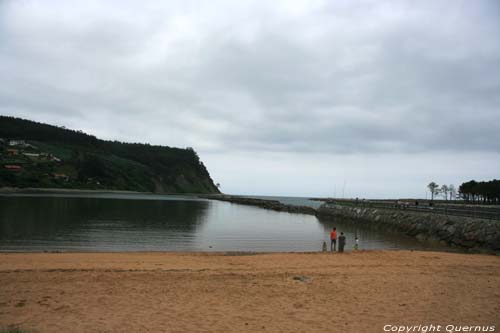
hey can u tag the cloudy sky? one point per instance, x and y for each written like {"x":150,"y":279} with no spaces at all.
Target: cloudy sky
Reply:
{"x":346,"y":98}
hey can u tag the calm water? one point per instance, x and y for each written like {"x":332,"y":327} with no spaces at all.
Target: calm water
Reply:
{"x":129,"y":222}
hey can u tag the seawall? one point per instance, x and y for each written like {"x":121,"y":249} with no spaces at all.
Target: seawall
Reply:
{"x":467,"y":233}
{"x":455,"y":231}
{"x":263,"y":203}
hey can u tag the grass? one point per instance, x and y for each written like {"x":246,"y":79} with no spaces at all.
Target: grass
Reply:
{"x":12,"y":330}
{"x":58,"y":150}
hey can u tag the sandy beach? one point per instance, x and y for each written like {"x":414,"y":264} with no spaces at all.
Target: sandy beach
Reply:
{"x":279,"y":292}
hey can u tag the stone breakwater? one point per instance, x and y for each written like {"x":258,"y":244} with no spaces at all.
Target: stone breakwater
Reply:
{"x":455,"y":231}
{"x":262,"y":203}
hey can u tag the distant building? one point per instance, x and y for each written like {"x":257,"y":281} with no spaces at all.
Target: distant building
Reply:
{"x":53,"y":158}
{"x":61,"y":176}
{"x":49,"y":157}
{"x":13,"y":167}
{"x":21,"y":144}
{"x":93,"y":181}
{"x":12,"y":151}
{"x":32,"y":155}
{"x":17,"y":143}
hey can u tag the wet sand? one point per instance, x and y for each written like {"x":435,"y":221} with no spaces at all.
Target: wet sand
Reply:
{"x":189,"y":292}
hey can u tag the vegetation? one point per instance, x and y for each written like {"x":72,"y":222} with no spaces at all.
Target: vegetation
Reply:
{"x":12,"y":330}
{"x":41,"y":155}
{"x":447,"y":191}
{"x":434,"y":189}
{"x":481,"y":192}
{"x":487,"y":192}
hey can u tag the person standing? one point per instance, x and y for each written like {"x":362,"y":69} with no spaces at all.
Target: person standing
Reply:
{"x":341,"y":242}
{"x":333,"y":240}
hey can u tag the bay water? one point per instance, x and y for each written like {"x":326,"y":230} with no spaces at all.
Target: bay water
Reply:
{"x":143,"y":222}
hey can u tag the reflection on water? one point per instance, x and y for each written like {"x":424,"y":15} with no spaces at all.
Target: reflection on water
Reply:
{"x":38,"y":223}
{"x":294,"y":201}
{"x":372,"y":239}
{"x":128,"y":222}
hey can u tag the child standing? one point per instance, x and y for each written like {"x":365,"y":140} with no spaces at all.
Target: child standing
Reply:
{"x":341,"y":242}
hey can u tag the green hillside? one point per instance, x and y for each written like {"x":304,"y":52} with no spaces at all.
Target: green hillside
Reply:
{"x":40,"y":155}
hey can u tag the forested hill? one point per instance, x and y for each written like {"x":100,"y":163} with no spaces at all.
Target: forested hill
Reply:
{"x":40,"y":155}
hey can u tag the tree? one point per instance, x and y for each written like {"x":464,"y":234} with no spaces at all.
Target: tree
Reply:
{"x":468,"y":190}
{"x":453,"y":191}
{"x":444,"y":191}
{"x":485,"y":192}
{"x":434,"y":188}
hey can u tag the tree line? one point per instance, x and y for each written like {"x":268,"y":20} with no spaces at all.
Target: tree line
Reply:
{"x":487,"y":192}
{"x":448,"y":192}
{"x":481,"y":192}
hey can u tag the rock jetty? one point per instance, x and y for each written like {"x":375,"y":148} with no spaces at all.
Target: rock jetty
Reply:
{"x":455,"y":231}
{"x":467,"y":233}
{"x":263,"y":203}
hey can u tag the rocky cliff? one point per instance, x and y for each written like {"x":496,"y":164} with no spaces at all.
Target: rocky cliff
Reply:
{"x":44,"y":156}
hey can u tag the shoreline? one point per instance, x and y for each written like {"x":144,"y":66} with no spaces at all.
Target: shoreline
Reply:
{"x":467,"y":233}
{"x":36,"y":190}
{"x":30,"y":190}
{"x":449,"y":249}
{"x":204,"y":291}
{"x":456,"y":231}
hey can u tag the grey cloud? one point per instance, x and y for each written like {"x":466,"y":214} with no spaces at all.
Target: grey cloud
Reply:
{"x":332,"y":77}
